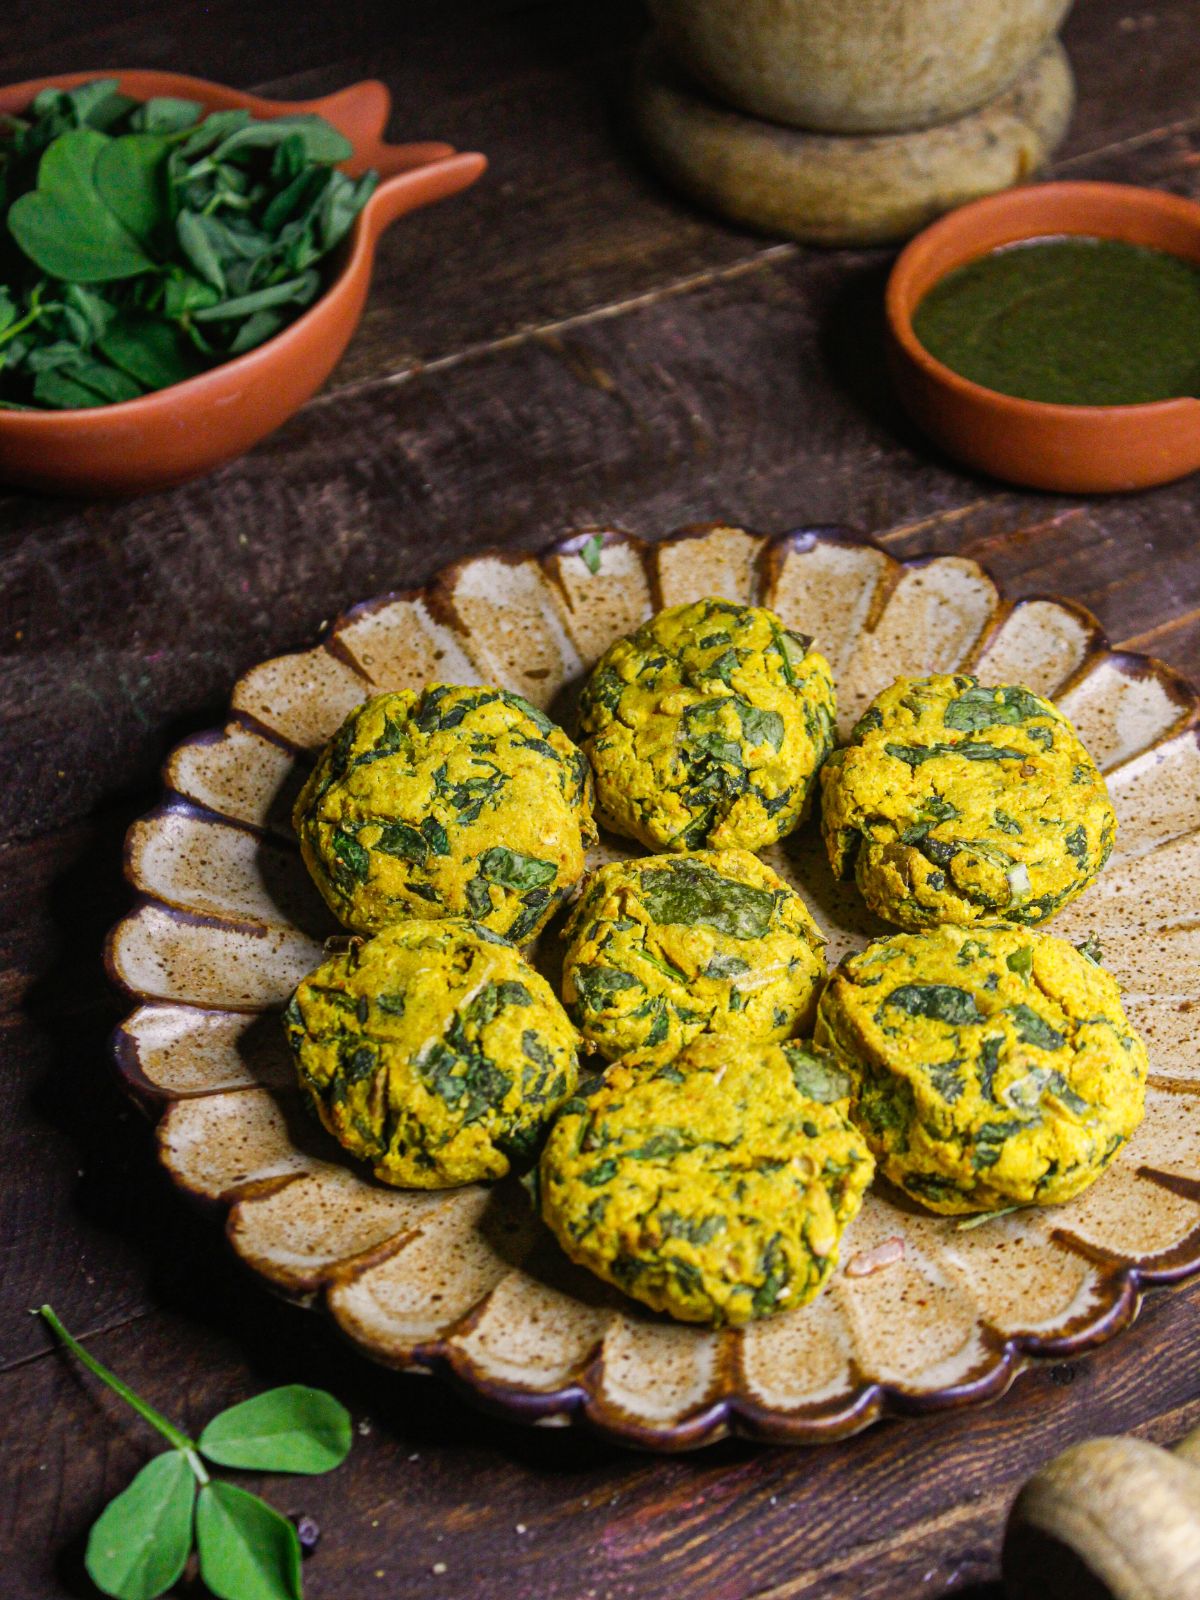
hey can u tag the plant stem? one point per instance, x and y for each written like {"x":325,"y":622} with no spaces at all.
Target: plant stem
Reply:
{"x":155,"y":1418}
{"x":35,"y":310}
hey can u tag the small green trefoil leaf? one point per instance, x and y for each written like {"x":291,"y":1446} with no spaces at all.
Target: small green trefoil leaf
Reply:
{"x":140,"y":1542}
{"x":292,"y":1429}
{"x":247,"y":1550}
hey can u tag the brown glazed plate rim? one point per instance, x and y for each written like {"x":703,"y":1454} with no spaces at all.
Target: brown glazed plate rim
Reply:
{"x":730,"y":1411}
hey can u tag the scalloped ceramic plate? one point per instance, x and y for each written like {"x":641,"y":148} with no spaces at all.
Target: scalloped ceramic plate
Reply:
{"x":465,"y":1281}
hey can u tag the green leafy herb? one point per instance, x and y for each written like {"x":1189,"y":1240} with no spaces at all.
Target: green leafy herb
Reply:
{"x":293,"y":1429}
{"x":1077,"y":844}
{"x":792,"y":649}
{"x":147,"y":242}
{"x":140,"y":1543}
{"x":977,"y":1221}
{"x":247,"y":1550}
{"x":1091,"y":949}
{"x":978,"y":707}
{"x":512,"y":870}
{"x":816,"y":1076}
{"x":720,"y":966}
{"x":760,"y":727}
{"x":941,"y":1001}
{"x":596,"y":985}
{"x":871,"y":719}
{"x":696,"y":896}
{"x":350,"y":855}
{"x":915,"y":754}
{"x":776,"y":1274}
{"x":971,"y":950}
{"x":1034,"y":1029}
{"x":591,"y":552}
{"x":1021,"y":960}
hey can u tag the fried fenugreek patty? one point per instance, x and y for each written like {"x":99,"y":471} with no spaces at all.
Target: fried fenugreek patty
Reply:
{"x":707,"y":727}
{"x":715,"y":1186}
{"x":954,"y":802}
{"x":447,"y":801}
{"x":433,"y":1051}
{"x":993,"y":1067}
{"x":711,"y":941}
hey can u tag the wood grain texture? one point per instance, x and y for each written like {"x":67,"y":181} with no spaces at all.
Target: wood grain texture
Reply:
{"x":566,"y":344}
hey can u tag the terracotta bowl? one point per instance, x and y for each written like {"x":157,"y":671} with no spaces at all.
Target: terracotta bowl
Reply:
{"x":1077,"y":449}
{"x":178,"y":433}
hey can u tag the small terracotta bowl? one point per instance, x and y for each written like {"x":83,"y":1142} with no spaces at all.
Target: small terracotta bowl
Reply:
{"x":178,"y":433}
{"x":1077,"y":449}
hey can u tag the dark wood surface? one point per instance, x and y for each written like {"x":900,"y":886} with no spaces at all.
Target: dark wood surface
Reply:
{"x":566,"y":343}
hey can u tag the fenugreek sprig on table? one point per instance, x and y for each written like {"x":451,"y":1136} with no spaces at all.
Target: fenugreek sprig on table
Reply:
{"x":140,"y":1543}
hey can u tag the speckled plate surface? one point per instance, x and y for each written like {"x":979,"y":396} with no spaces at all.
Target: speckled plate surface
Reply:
{"x":467,"y":1282}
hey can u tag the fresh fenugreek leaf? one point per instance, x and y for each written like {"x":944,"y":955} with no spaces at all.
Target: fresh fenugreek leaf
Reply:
{"x":319,"y":141}
{"x":130,"y":180}
{"x":83,"y":383}
{"x":139,"y":1544}
{"x":148,"y":349}
{"x":295,"y":291}
{"x":292,"y":1429}
{"x":166,"y":114}
{"x":258,"y":327}
{"x":247,"y":1550}
{"x":64,"y":227}
{"x":219,"y":125}
{"x":196,"y":240}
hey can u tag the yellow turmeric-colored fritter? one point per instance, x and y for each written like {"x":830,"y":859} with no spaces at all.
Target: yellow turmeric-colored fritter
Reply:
{"x":992,"y":1066}
{"x":447,"y":801}
{"x":715,"y":1186}
{"x":707,"y":727}
{"x":433,"y":1051}
{"x":955,"y":802}
{"x":709,"y":941}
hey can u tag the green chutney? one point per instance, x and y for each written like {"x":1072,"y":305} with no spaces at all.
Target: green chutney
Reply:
{"x":1074,"y":321}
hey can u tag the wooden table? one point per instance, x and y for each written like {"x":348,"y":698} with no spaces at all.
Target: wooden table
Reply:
{"x":567,"y":343}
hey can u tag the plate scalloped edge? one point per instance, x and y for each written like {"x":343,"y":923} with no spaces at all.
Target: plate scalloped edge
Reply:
{"x":465,"y":1282}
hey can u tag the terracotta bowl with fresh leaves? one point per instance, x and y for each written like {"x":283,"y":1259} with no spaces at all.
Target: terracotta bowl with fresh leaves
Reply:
{"x":171,"y":434}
